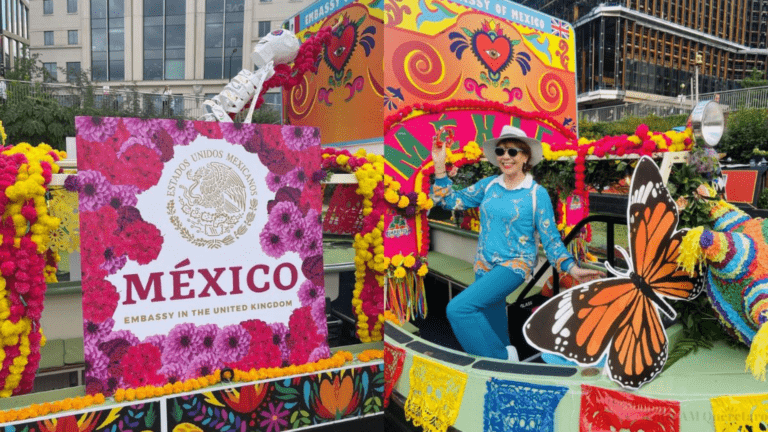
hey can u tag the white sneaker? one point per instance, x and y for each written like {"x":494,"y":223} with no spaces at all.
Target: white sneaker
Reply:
{"x":512,"y":353}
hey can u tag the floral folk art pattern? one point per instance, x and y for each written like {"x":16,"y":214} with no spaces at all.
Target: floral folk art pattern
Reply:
{"x":140,"y":417}
{"x":282,"y":405}
{"x":520,"y":407}
{"x":122,"y":158}
{"x":26,"y":262}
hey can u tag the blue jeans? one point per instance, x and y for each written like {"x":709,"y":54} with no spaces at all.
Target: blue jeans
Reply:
{"x":478,"y":315}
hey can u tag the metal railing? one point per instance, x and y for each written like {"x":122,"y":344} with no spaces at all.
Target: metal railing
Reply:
{"x":731,"y":100}
{"x":117,"y":101}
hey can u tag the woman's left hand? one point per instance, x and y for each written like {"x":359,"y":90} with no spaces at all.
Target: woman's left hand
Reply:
{"x":585,"y":275}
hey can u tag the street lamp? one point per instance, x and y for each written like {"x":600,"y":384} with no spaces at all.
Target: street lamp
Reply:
{"x":230,"y":62}
{"x":699,"y":62}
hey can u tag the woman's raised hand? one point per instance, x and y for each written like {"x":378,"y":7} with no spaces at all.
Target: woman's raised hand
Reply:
{"x":439,"y":154}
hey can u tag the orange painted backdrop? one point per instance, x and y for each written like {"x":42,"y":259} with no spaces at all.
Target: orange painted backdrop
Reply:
{"x":344,"y":97}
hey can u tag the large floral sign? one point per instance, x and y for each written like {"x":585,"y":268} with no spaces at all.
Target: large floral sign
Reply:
{"x":201,"y":246}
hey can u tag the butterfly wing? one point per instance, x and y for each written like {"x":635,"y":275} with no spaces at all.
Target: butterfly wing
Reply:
{"x":579,"y":323}
{"x":654,"y":241}
{"x":639,"y":348}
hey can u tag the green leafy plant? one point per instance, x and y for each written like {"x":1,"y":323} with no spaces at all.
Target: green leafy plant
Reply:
{"x":746,"y":130}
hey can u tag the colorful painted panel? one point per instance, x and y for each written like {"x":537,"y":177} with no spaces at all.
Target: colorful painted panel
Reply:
{"x":344,"y":97}
{"x":282,"y":404}
{"x":141,"y":417}
{"x":201,"y":246}
{"x":472,"y":57}
{"x":409,"y":142}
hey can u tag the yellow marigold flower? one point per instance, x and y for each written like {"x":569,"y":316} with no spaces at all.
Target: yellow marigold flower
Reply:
{"x":391,"y":196}
{"x":399,"y":273}
{"x":342,"y":159}
{"x":422,"y":270}
{"x":409,"y":261}
{"x":397,"y":260}
{"x":403,"y":203}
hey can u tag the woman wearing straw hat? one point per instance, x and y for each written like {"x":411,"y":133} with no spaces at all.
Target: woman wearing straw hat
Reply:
{"x":514,"y":213}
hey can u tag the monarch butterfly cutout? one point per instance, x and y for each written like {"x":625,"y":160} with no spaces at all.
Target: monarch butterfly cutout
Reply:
{"x":621,"y":314}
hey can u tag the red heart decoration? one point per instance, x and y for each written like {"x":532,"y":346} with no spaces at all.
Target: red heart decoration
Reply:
{"x":494,"y":54}
{"x":340,"y":48}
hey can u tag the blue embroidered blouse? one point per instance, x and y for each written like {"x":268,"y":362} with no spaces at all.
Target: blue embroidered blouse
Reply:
{"x":507,"y":234}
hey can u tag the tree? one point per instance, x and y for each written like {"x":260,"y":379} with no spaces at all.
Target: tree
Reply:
{"x":36,"y":120}
{"x":27,"y":69}
{"x":746,"y":129}
{"x":266,"y":115}
{"x":756,"y":78}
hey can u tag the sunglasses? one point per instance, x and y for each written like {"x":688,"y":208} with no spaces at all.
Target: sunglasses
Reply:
{"x":512,"y":152}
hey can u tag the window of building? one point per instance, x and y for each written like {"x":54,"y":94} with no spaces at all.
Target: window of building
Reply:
{"x":264,"y":28}
{"x":47,"y":7}
{"x":50,"y":72}
{"x":107,"y":40}
{"x":72,"y":37}
{"x":48,"y":38}
{"x":223,"y":38}
{"x":164,"y":41}
{"x":73,"y":71}
{"x":71,"y":6}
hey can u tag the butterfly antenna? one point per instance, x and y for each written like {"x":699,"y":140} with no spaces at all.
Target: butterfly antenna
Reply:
{"x":618,"y":273}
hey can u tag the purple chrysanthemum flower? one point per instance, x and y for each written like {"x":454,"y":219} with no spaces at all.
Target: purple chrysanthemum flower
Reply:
{"x":313,"y":136}
{"x":318,"y":315}
{"x":94,"y":190}
{"x":207,"y":337}
{"x":112,"y":263}
{"x":123,"y":195}
{"x":280,"y":338}
{"x":320,"y":353}
{"x":274,"y":181}
{"x":295,"y":236}
{"x":284,"y":216}
{"x":138,"y":140}
{"x":173,"y":372}
{"x":97,"y":332}
{"x":181,"y":131}
{"x":311,"y":247}
{"x":203,"y":365}
{"x":96,"y":361}
{"x":71,"y":183}
{"x":156,"y":340}
{"x":271,"y":242}
{"x":96,"y":129}
{"x":294,"y":137}
{"x":126,"y":335}
{"x":319,"y":175}
{"x":180,"y":344}
{"x":309,"y":293}
{"x":141,"y":127}
{"x":232,"y":343}
{"x":296,"y":178}
{"x":237,"y":133}
{"x":126,"y":215}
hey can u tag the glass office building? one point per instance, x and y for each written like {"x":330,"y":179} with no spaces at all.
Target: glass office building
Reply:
{"x":14,"y":26}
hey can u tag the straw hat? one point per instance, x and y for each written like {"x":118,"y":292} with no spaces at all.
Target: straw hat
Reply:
{"x":511,"y":132}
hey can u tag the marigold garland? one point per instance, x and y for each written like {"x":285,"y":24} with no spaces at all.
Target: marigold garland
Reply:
{"x":44,"y":409}
{"x":372,"y":266}
{"x":25,"y":261}
{"x":372,"y":354}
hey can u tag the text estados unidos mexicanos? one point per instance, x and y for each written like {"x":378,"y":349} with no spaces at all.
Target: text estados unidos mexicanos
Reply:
{"x":501,"y":10}
{"x":185,"y":284}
